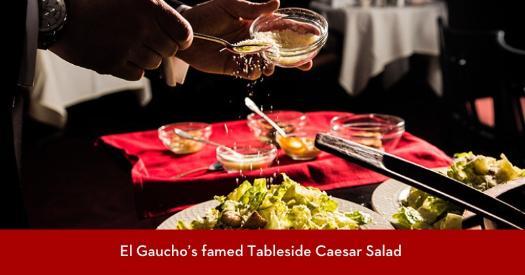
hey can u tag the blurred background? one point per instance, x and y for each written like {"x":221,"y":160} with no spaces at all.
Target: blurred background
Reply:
{"x":459,"y":86}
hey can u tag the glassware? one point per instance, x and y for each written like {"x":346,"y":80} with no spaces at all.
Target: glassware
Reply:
{"x":179,"y":145}
{"x":299,"y":35}
{"x":300,"y":145}
{"x":290,"y":121}
{"x":254,"y":155}
{"x":375,"y":130}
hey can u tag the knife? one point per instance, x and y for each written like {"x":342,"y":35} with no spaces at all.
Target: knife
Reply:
{"x":424,"y":179}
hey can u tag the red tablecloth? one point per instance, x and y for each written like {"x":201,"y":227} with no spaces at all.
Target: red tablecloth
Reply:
{"x":153,"y":166}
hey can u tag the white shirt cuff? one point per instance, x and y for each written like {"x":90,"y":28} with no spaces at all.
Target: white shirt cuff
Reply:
{"x":175,"y":71}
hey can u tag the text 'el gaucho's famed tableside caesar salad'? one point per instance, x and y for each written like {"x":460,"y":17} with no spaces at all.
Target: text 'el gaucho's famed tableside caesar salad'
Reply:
{"x":288,"y":205}
{"x":423,"y":211}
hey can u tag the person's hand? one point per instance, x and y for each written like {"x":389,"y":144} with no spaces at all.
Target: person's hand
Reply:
{"x":230,"y":20}
{"x":122,"y":37}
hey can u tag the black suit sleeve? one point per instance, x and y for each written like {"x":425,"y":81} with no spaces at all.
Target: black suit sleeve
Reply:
{"x":11,"y":202}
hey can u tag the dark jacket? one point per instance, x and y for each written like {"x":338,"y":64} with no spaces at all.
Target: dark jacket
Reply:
{"x":12,"y":213}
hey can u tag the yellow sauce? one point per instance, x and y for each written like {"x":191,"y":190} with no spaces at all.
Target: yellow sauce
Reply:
{"x":180,"y":145}
{"x":298,"y":148}
{"x":246,"y":164}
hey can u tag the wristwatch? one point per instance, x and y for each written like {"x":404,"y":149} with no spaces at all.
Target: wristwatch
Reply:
{"x":52,"y":18}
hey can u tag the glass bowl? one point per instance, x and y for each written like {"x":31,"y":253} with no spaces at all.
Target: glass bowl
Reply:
{"x":290,"y":121}
{"x":300,"y":145}
{"x":298,"y":35}
{"x":254,"y":155}
{"x":179,"y":145}
{"x":375,"y":130}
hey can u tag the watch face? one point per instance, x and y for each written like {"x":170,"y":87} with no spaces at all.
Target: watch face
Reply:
{"x":52,"y":14}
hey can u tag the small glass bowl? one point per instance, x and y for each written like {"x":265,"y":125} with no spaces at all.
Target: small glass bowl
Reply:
{"x":297,"y":20}
{"x":255,"y":155}
{"x":379,"y":131}
{"x":290,"y":121}
{"x":182,"y":146}
{"x":300,"y":145}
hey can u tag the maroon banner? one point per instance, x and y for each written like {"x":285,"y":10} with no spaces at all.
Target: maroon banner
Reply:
{"x":261,"y":252}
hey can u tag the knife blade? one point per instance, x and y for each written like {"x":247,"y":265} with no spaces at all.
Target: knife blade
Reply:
{"x":424,"y":179}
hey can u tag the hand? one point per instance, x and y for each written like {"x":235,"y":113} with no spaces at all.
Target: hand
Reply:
{"x":122,"y":37}
{"x":230,"y":20}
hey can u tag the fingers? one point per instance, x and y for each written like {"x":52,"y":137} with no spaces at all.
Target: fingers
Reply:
{"x":306,"y":67}
{"x":174,"y":25}
{"x":162,"y":44}
{"x":145,"y":58}
{"x":268,"y":70}
{"x":129,"y":71}
{"x":249,"y":10}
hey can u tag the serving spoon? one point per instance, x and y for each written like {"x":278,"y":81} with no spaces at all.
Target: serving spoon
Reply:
{"x":214,"y":167}
{"x":252,"y":106}
{"x":243,"y":47}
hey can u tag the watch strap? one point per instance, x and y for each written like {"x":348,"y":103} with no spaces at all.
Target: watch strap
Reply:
{"x":46,"y":39}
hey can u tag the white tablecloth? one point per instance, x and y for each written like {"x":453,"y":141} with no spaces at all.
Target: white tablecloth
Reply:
{"x":59,"y":84}
{"x":375,"y":37}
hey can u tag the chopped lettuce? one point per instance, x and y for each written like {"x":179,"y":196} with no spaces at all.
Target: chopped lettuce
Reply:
{"x":483,"y":172}
{"x":208,"y":221}
{"x":239,"y":191}
{"x":506,"y":171}
{"x":288,"y":205}
{"x":432,"y":208}
{"x":359,"y":217}
{"x":415,"y":198}
{"x":409,"y":218}
{"x":421,"y":210}
{"x":450,"y":221}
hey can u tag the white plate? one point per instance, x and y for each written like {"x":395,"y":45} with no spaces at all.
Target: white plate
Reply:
{"x":199,"y":210}
{"x":387,"y":198}
{"x":499,"y":190}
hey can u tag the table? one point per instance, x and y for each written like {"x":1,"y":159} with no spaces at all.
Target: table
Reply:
{"x":154,"y":168}
{"x":59,"y":84}
{"x":376,"y":37}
